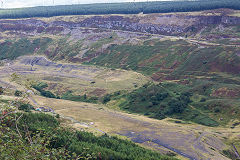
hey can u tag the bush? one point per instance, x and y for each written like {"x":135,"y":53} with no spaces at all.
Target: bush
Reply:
{"x":40,"y":87}
{"x":78,"y":98}
{"x":47,"y":94}
{"x":175,"y":106}
{"x":106,"y":99}
{"x":25,"y":107}
{"x":57,"y":116}
{"x":217,"y":110}
{"x":1,"y":90}
{"x":185,"y":97}
{"x":18,"y":93}
{"x":203,"y":100}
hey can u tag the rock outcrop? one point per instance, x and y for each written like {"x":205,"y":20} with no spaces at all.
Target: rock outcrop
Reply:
{"x":166,"y":24}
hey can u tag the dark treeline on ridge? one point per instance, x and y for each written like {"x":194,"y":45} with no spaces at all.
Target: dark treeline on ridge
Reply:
{"x":120,"y":8}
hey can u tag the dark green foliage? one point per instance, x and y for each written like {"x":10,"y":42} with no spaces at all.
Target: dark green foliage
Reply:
{"x":150,"y":100}
{"x":108,"y":147}
{"x":18,"y":93}
{"x":217,"y":110}
{"x":106,"y":99}
{"x":47,"y":94}
{"x":18,"y":141}
{"x":203,"y":100}
{"x":38,"y":121}
{"x":57,"y":116}
{"x":175,"y":106}
{"x":25,"y":107}
{"x":120,"y":8}
{"x":40,"y":87}
{"x":84,"y":96}
{"x":69,"y":96}
{"x":1,"y":90}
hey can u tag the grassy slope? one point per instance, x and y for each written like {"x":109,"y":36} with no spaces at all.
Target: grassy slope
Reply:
{"x":210,"y":73}
{"x":11,"y":49}
{"x":168,"y":56}
{"x":159,"y":101}
{"x":53,"y":47}
{"x":148,"y":58}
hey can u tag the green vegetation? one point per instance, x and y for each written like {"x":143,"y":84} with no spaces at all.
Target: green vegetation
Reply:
{"x":106,"y":98}
{"x":120,"y":8}
{"x":215,"y":59}
{"x":39,"y":136}
{"x":40,"y":87}
{"x":64,"y":49}
{"x":18,"y":93}
{"x":1,"y":90}
{"x":235,"y":147}
{"x":69,"y":96}
{"x":174,"y":58}
{"x":157,"y":101}
{"x":210,"y":74}
{"x":11,"y":49}
{"x":147,"y":58}
{"x":25,"y":107}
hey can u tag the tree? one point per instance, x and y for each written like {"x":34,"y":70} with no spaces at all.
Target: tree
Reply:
{"x":18,"y":93}
{"x":84,"y":96}
{"x":185,"y":97}
{"x":25,"y":107}
{"x":1,"y":90}
{"x":175,"y":106}
{"x":106,"y":99}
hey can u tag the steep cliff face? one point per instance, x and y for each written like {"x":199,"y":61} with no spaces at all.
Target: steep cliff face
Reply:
{"x":166,"y":24}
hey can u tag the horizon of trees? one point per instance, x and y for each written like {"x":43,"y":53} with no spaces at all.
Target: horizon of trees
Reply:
{"x":120,"y":8}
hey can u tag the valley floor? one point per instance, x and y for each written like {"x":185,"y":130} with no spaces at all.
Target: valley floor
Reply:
{"x":188,"y":140}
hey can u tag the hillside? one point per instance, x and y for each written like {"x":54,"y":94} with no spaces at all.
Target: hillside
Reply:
{"x":40,"y":136}
{"x":199,"y":55}
{"x":182,"y":69}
